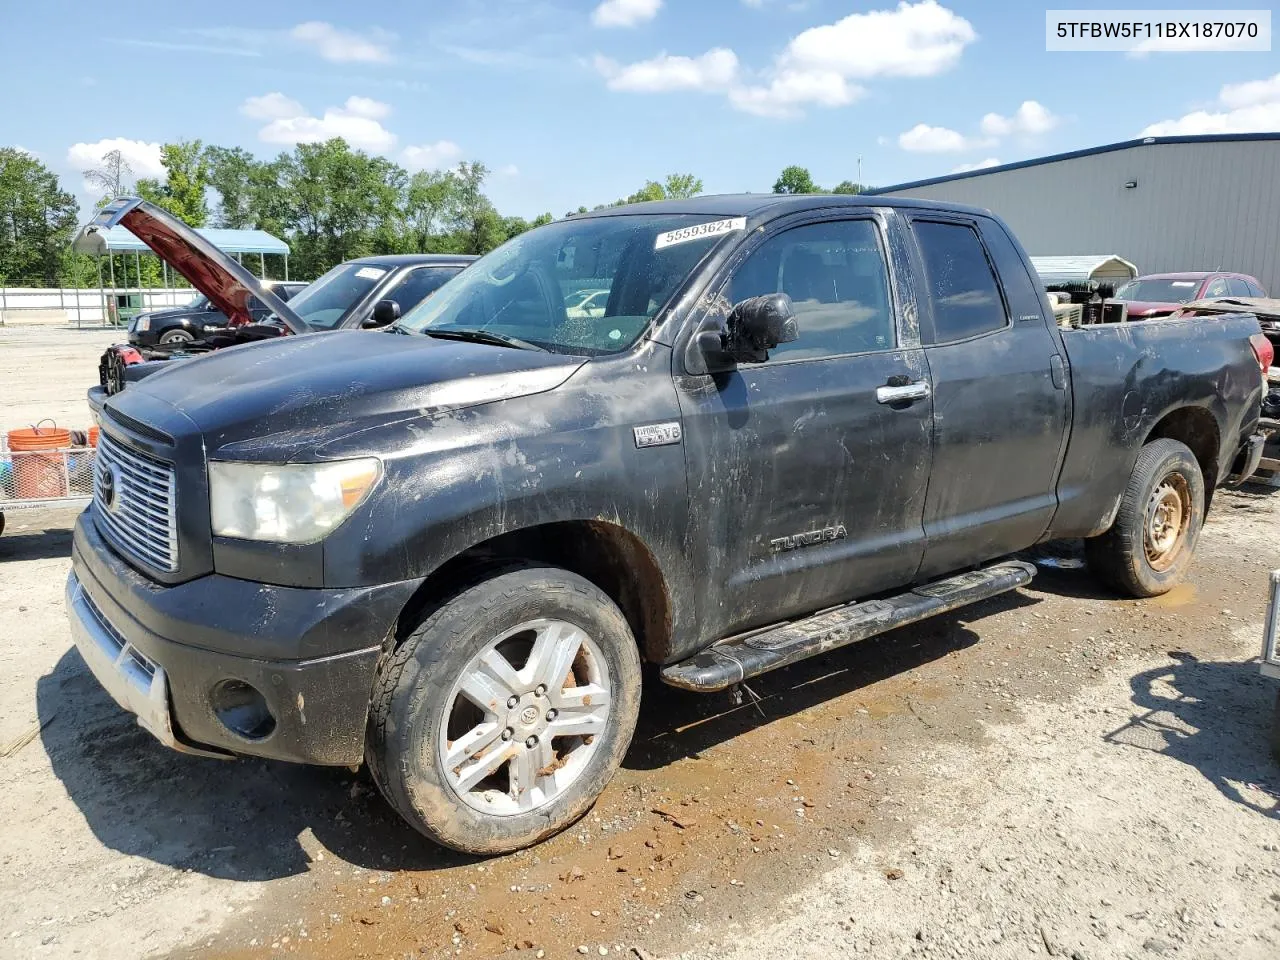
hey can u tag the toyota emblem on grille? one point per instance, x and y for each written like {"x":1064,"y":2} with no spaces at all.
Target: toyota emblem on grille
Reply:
{"x":109,"y":487}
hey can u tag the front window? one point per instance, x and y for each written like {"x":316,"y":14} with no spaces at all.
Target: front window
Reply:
{"x":324,"y":303}
{"x":584,"y":287}
{"x":1155,"y":290}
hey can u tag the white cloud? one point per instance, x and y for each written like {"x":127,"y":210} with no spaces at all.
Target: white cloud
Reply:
{"x":714,"y":70}
{"x":288,"y":122}
{"x":30,"y":153}
{"x":1030,"y":119}
{"x":510,"y":170}
{"x":818,"y":67}
{"x":1250,"y":107}
{"x":913,"y":40}
{"x":143,"y":157}
{"x":624,"y":13}
{"x":923,"y":138}
{"x":431,"y":156}
{"x":344,"y":46}
{"x":790,"y":90}
{"x":271,"y":106}
{"x":980,"y":165}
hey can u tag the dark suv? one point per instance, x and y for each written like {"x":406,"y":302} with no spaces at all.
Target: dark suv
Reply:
{"x":198,"y":318}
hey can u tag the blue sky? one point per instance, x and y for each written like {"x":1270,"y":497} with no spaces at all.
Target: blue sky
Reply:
{"x":579,"y":102}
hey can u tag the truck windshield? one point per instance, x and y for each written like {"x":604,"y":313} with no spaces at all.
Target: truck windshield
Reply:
{"x":1157,"y":290}
{"x":531,"y":289}
{"x":324,"y":303}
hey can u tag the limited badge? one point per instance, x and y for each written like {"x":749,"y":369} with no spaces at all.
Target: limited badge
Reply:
{"x":657,"y":434}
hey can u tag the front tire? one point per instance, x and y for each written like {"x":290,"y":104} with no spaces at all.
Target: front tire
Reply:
{"x":501,"y":718}
{"x":177,"y":336}
{"x":1151,"y":543}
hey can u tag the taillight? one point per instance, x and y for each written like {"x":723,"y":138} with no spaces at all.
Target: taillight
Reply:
{"x":1263,"y":350}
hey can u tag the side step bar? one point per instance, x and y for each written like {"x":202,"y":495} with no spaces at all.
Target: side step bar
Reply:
{"x":731,"y":661}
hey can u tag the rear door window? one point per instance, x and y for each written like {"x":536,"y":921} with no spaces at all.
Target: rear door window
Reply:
{"x":964,"y":293}
{"x":1237,"y":287}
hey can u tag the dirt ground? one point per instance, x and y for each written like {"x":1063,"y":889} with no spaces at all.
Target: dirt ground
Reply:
{"x":1052,"y":773}
{"x":45,"y":370}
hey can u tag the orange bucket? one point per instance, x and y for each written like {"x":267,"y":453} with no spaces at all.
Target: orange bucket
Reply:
{"x":93,"y":436}
{"x":39,"y":462}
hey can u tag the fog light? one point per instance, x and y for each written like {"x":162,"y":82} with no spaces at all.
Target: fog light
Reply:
{"x":242,"y":710}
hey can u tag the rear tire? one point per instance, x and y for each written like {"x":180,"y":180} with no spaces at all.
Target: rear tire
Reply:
{"x":1151,"y":543}
{"x":177,"y":336}
{"x":501,"y":718}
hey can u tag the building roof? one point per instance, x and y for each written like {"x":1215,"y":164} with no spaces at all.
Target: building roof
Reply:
{"x":1081,"y":268}
{"x":1076,"y":154}
{"x":119,"y":240}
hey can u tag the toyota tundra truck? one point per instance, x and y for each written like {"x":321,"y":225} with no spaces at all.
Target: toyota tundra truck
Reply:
{"x":445,"y":550}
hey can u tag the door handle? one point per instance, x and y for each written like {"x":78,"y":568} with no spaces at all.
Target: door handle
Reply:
{"x":903,"y":393}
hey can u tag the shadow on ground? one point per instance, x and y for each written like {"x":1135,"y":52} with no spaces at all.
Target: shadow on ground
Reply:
{"x":33,"y":543}
{"x":1214,"y":716}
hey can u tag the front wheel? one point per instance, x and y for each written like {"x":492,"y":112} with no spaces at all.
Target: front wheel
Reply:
{"x":1150,"y":545}
{"x":177,"y":336}
{"x":502,"y":717}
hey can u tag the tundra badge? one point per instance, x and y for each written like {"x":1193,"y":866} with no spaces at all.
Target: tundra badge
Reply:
{"x":657,"y":434}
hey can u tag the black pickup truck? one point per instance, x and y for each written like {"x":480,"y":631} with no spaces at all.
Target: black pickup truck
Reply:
{"x":445,"y":549}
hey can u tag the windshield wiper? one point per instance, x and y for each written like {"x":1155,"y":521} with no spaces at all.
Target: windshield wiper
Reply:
{"x":485,"y":336}
{"x":396,"y":328}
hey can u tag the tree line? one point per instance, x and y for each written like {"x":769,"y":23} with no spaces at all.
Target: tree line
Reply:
{"x":329,"y":202}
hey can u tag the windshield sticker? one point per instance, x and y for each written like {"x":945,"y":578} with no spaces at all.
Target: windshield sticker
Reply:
{"x":370,"y":273}
{"x":1185,"y":283}
{"x":698,"y":231}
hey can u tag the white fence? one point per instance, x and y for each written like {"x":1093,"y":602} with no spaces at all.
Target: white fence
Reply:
{"x":79,"y":307}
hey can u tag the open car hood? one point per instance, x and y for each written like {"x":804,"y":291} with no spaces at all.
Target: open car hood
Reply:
{"x":227,"y":284}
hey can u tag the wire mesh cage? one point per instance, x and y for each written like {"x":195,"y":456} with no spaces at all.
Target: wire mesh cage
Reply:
{"x":39,"y":475}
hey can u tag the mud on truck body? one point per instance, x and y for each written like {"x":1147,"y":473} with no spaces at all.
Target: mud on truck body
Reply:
{"x":446,"y":549}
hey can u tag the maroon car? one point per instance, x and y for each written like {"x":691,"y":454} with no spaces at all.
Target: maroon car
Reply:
{"x":1158,"y":294}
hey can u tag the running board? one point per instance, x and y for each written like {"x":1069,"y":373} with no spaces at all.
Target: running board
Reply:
{"x":731,"y":661}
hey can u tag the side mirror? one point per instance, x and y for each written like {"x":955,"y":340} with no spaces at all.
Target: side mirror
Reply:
{"x":758,"y":324}
{"x":384,"y":312}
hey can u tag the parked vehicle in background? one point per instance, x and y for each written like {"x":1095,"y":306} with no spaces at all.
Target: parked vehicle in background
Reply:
{"x":198,"y":318}
{"x":801,"y":421}
{"x":1160,"y":294}
{"x":359,"y":294}
{"x":586,"y":303}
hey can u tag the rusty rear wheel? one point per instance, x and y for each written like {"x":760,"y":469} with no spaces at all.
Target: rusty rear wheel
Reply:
{"x":1151,"y":542}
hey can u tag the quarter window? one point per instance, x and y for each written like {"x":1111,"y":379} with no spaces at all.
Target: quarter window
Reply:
{"x":1238,"y":287}
{"x":962,"y":286}
{"x":836,"y":276}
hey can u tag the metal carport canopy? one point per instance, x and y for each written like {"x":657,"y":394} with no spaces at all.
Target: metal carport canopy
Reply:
{"x":120,"y":240}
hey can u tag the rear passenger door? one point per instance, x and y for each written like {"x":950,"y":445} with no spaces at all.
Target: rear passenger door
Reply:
{"x":1000,"y":403}
{"x":806,"y":479}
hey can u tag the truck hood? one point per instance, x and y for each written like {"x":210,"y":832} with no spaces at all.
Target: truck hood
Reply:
{"x":283,"y":397}
{"x":228,"y":285}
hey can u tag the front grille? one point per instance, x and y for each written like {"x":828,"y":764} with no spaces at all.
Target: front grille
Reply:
{"x":133,"y":500}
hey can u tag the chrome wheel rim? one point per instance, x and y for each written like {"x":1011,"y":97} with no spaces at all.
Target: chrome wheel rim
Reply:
{"x":524,"y":718}
{"x":1167,"y":522}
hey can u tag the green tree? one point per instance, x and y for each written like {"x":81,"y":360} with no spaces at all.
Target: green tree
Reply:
{"x":432,"y":197}
{"x":795,"y":180}
{"x":231,"y":172}
{"x":182,"y":192}
{"x":848,"y":186}
{"x":681,"y":186}
{"x":37,"y":218}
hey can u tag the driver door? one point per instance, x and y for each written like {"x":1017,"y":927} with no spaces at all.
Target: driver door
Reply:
{"x":807,"y":483}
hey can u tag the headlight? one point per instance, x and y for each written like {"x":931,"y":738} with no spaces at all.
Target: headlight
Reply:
{"x":286,"y":503}
{"x":142,"y":324}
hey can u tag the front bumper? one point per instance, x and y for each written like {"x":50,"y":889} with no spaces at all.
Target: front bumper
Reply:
{"x":319,"y":703}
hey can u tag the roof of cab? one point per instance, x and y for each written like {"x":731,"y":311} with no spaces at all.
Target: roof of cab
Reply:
{"x":769,"y":205}
{"x":414,"y":259}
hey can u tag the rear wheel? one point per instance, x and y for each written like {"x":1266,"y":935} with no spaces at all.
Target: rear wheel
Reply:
{"x":505,"y":713}
{"x":177,"y":336}
{"x":1150,"y":545}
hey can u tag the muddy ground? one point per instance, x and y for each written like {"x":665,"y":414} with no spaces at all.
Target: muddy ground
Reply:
{"x":1052,"y":773}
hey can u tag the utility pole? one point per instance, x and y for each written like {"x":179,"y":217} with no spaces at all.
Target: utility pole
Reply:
{"x":859,"y":169}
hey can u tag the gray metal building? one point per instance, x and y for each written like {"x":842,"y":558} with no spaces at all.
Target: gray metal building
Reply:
{"x":1165,"y":203}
